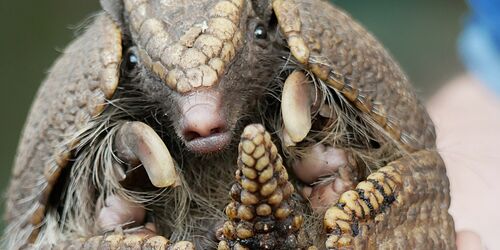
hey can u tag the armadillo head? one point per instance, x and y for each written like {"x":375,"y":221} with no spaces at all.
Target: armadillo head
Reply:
{"x":211,"y":57}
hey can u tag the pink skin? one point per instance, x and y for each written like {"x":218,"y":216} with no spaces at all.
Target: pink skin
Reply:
{"x":467,"y":240}
{"x":330,"y":163}
{"x":118,"y":213}
{"x":467,"y":118}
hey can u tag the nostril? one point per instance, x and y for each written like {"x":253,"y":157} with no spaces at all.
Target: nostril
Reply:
{"x":191,"y":135}
{"x":215,"y":131}
{"x":207,"y":139}
{"x":203,"y":129}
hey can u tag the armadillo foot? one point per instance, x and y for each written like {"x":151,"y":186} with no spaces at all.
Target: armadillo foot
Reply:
{"x":346,"y":219}
{"x":123,"y":241}
{"x":328,"y":172}
{"x":261,"y":214}
{"x":117,"y":212}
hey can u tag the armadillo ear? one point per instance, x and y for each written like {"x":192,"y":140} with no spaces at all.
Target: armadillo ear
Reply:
{"x":114,"y":8}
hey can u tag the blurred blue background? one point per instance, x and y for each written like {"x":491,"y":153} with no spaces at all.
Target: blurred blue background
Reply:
{"x":420,"y":34}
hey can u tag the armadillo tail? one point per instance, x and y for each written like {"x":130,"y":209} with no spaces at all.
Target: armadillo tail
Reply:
{"x":261,"y":214}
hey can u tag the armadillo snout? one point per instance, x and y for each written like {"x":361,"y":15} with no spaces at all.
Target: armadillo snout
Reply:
{"x":203,"y":124}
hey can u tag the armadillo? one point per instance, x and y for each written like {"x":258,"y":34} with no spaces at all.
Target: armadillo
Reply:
{"x":147,"y":105}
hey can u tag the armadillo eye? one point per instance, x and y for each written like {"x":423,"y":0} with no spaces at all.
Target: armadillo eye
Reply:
{"x":132,"y":60}
{"x":130,"y":63}
{"x":260,"y":32}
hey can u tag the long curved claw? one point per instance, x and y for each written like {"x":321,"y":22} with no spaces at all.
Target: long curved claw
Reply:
{"x":296,"y":102}
{"x":123,"y":241}
{"x":137,"y":143}
{"x":261,"y":214}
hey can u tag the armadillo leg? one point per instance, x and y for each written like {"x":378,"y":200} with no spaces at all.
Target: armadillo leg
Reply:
{"x":122,"y":241}
{"x":403,"y":204}
{"x":261,"y":214}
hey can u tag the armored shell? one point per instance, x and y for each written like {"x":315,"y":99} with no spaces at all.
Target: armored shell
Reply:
{"x":193,"y":51}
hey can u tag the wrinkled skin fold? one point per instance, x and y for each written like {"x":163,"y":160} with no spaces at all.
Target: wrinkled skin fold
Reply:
{"x":149,"y":103}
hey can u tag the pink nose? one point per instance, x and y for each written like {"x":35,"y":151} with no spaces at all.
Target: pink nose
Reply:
{"x":202,"y":116}
{"x":202,"y":121}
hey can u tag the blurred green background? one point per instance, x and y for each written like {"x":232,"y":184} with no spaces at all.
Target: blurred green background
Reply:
{"x":420,"y":34}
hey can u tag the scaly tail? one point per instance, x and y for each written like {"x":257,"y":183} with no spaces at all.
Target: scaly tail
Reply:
{"x":262,"y":213}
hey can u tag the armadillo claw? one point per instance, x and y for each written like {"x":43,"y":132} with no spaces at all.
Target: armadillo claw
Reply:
{"x":261,"y":214}
{"x":296,"y":102}
{"x":137,"y":143}
{"x":121,"y":241}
